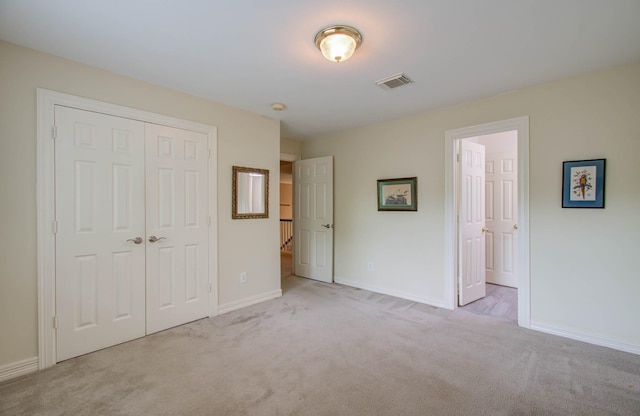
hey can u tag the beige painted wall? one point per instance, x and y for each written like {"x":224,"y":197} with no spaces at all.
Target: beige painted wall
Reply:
{"x":290,"y":147}
{"x":585,"y":278}
{"x":244,"y":139}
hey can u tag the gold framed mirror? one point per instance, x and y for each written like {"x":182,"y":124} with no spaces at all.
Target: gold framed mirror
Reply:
{"x":250,"y":193}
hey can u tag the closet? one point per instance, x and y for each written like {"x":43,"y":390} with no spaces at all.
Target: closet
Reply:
{"x":131,"y":229}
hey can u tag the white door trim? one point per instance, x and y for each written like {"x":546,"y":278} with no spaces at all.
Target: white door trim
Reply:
{"x":521,"y":124}
{"x":45,"y":188}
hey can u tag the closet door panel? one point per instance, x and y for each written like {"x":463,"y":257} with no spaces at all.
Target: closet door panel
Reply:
{"x":100,"y":270}
{"x":177,"y":227}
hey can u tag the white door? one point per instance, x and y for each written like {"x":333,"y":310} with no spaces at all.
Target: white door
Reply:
{"x":100,"y":269}
{"x":177,"y":227}
{"x":471,"y":265}
{"x":313,"y":218}
{"x":501,"y":217}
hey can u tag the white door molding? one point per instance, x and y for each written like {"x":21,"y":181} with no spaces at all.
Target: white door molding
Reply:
{"x":45,"y":188}
{"x":521,"y":124}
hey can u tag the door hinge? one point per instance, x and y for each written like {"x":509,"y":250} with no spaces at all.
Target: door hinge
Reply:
{"x":54,"y":227}
{"x":209,"y":220}
{"x":54,"y":132}
{"x":210,"y":288}
{"x":55,"y":322}
{"x":210,"y":153}
{"x":458,"y":157}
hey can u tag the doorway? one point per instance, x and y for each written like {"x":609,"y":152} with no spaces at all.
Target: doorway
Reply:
{"x":313,"y":218}
{"x":453,"y":138}
{"x":286,"y":218}
{"x":498,"y":228}
{"x":312,"y":213}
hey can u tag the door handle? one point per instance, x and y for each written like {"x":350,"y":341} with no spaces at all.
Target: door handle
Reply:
{"x":137,"y":240}
{"x":327,"y":225}
{"x":515,"y":226}
{"x":153,"y":239}
{"x":484,"y":229}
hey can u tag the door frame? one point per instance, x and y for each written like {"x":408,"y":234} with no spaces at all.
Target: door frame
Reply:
{"x":452,"y":137}
{"x":45,"y":202}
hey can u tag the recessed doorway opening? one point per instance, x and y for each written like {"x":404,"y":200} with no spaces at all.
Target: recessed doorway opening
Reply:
{"x":286,"y":214}
{"x":468,"y":229}
{"x":286,"y":218}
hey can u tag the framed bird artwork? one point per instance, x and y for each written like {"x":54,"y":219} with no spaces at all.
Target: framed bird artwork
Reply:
{"x":400,"y":194}
{"x":583,"y":183}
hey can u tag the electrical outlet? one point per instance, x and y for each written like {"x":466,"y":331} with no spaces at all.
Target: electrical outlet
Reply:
{"x":243,"y":277}
{"x":369,"y":266}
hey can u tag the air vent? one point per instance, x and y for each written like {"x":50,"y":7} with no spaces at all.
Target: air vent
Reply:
{"x":394,"y":81}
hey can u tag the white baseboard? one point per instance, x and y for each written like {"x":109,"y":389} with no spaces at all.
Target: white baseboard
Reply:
{"x":18,"y":368}
{"x":390,"y":292}
{"x":603,"y":342}
{"x":251,"y":300}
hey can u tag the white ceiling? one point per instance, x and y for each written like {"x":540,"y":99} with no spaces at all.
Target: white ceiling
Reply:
{"x":251,"y":53}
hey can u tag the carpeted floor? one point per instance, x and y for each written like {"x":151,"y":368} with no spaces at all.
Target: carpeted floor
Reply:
{"x":500,"y":302}
{"x":325,"y":349}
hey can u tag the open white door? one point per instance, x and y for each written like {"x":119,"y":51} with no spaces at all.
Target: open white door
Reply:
{"x":471,"y":264}
{"x":100,"y":251}
{"x":501,"y":217}
{"x":313,"y":218}
{"x":177,"y":227}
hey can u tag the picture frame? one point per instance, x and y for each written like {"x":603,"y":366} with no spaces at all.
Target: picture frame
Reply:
{"x":249,"y":193}
{"x":400,"y":194}
{"x":583,"y":183}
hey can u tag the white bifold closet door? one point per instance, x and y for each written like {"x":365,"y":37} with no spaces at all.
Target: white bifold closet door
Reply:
{"x":120,"y":185}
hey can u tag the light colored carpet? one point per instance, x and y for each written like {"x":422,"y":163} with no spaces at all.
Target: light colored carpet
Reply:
{"x":325,"y":349}
{"x":500,"y":302}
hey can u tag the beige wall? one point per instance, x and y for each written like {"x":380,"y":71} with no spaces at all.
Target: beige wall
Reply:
{"x":290,"y":147}
{"x":244,"y":245}
{"x":585,"y":278}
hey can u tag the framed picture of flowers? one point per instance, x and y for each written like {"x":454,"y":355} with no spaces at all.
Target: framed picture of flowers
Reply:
{"x":583,"y":183}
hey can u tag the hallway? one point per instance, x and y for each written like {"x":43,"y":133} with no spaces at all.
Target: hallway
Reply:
{"x":286,"y":264}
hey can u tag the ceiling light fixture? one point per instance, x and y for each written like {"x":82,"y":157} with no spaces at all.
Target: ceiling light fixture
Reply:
{"x":337,"y":43}
{"x":278,"y":106}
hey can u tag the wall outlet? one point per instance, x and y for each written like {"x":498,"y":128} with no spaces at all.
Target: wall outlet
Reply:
{"x":243,"y":277}
{"x":369,"y":266}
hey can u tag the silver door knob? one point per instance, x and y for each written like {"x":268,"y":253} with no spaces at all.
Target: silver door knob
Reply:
{"x":515,"y":226}
{"x":327,"y":225}
{"x":153,"y":239}
{"x":137,"y":240}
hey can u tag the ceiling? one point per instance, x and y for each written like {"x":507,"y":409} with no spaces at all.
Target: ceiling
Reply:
{"x":251,"y":53}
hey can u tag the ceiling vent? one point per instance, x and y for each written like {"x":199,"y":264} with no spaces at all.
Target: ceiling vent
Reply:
{"x":394,"y":81}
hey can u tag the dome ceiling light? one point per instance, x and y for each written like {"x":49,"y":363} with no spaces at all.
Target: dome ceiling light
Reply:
{"x":337,"y":43}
